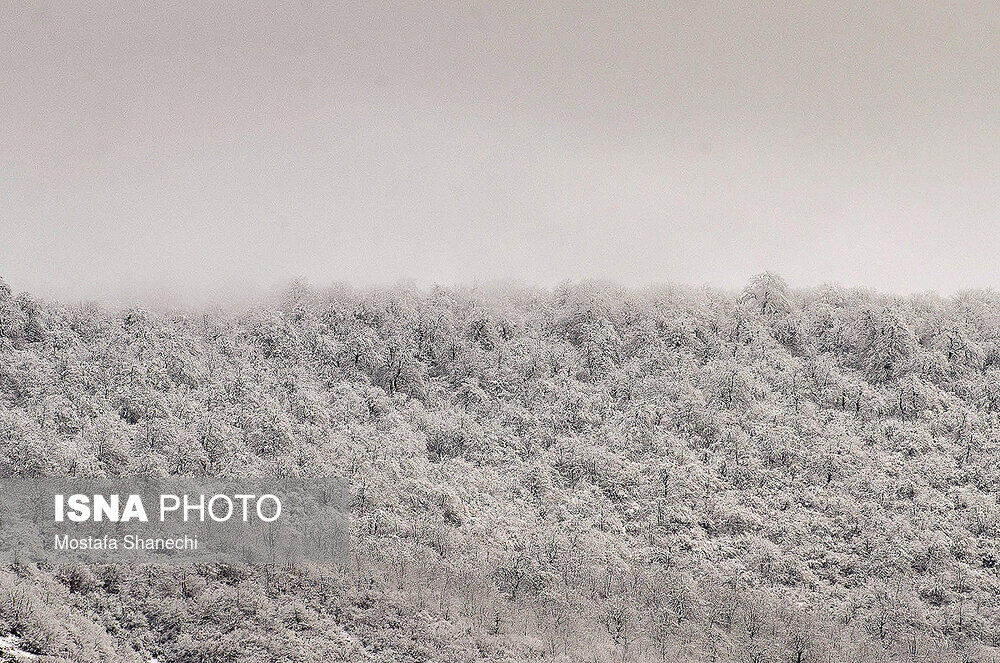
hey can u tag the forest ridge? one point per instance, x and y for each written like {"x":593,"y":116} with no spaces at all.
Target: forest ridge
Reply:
{"x":583,"y":473}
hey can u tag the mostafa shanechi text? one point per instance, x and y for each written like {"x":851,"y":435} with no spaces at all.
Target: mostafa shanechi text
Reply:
{"x":127,"y":542}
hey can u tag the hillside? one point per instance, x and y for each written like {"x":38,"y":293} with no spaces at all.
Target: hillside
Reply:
{"x":587,"y":473}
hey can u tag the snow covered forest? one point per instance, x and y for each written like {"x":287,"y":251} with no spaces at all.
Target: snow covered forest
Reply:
{"x":584,"y":473}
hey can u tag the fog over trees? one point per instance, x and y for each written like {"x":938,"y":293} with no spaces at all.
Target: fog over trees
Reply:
{"x":583,"y":473}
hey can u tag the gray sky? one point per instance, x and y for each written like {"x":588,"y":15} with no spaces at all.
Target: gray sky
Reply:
{"x":212,"y":146}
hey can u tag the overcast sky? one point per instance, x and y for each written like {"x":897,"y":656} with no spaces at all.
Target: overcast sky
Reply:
{"x":213,"y":147}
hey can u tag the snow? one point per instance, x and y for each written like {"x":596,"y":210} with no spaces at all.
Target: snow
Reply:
{"x":10,"y":649}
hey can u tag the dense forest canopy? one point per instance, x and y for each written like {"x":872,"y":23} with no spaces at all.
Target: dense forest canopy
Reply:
{"x":583,"y":473}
